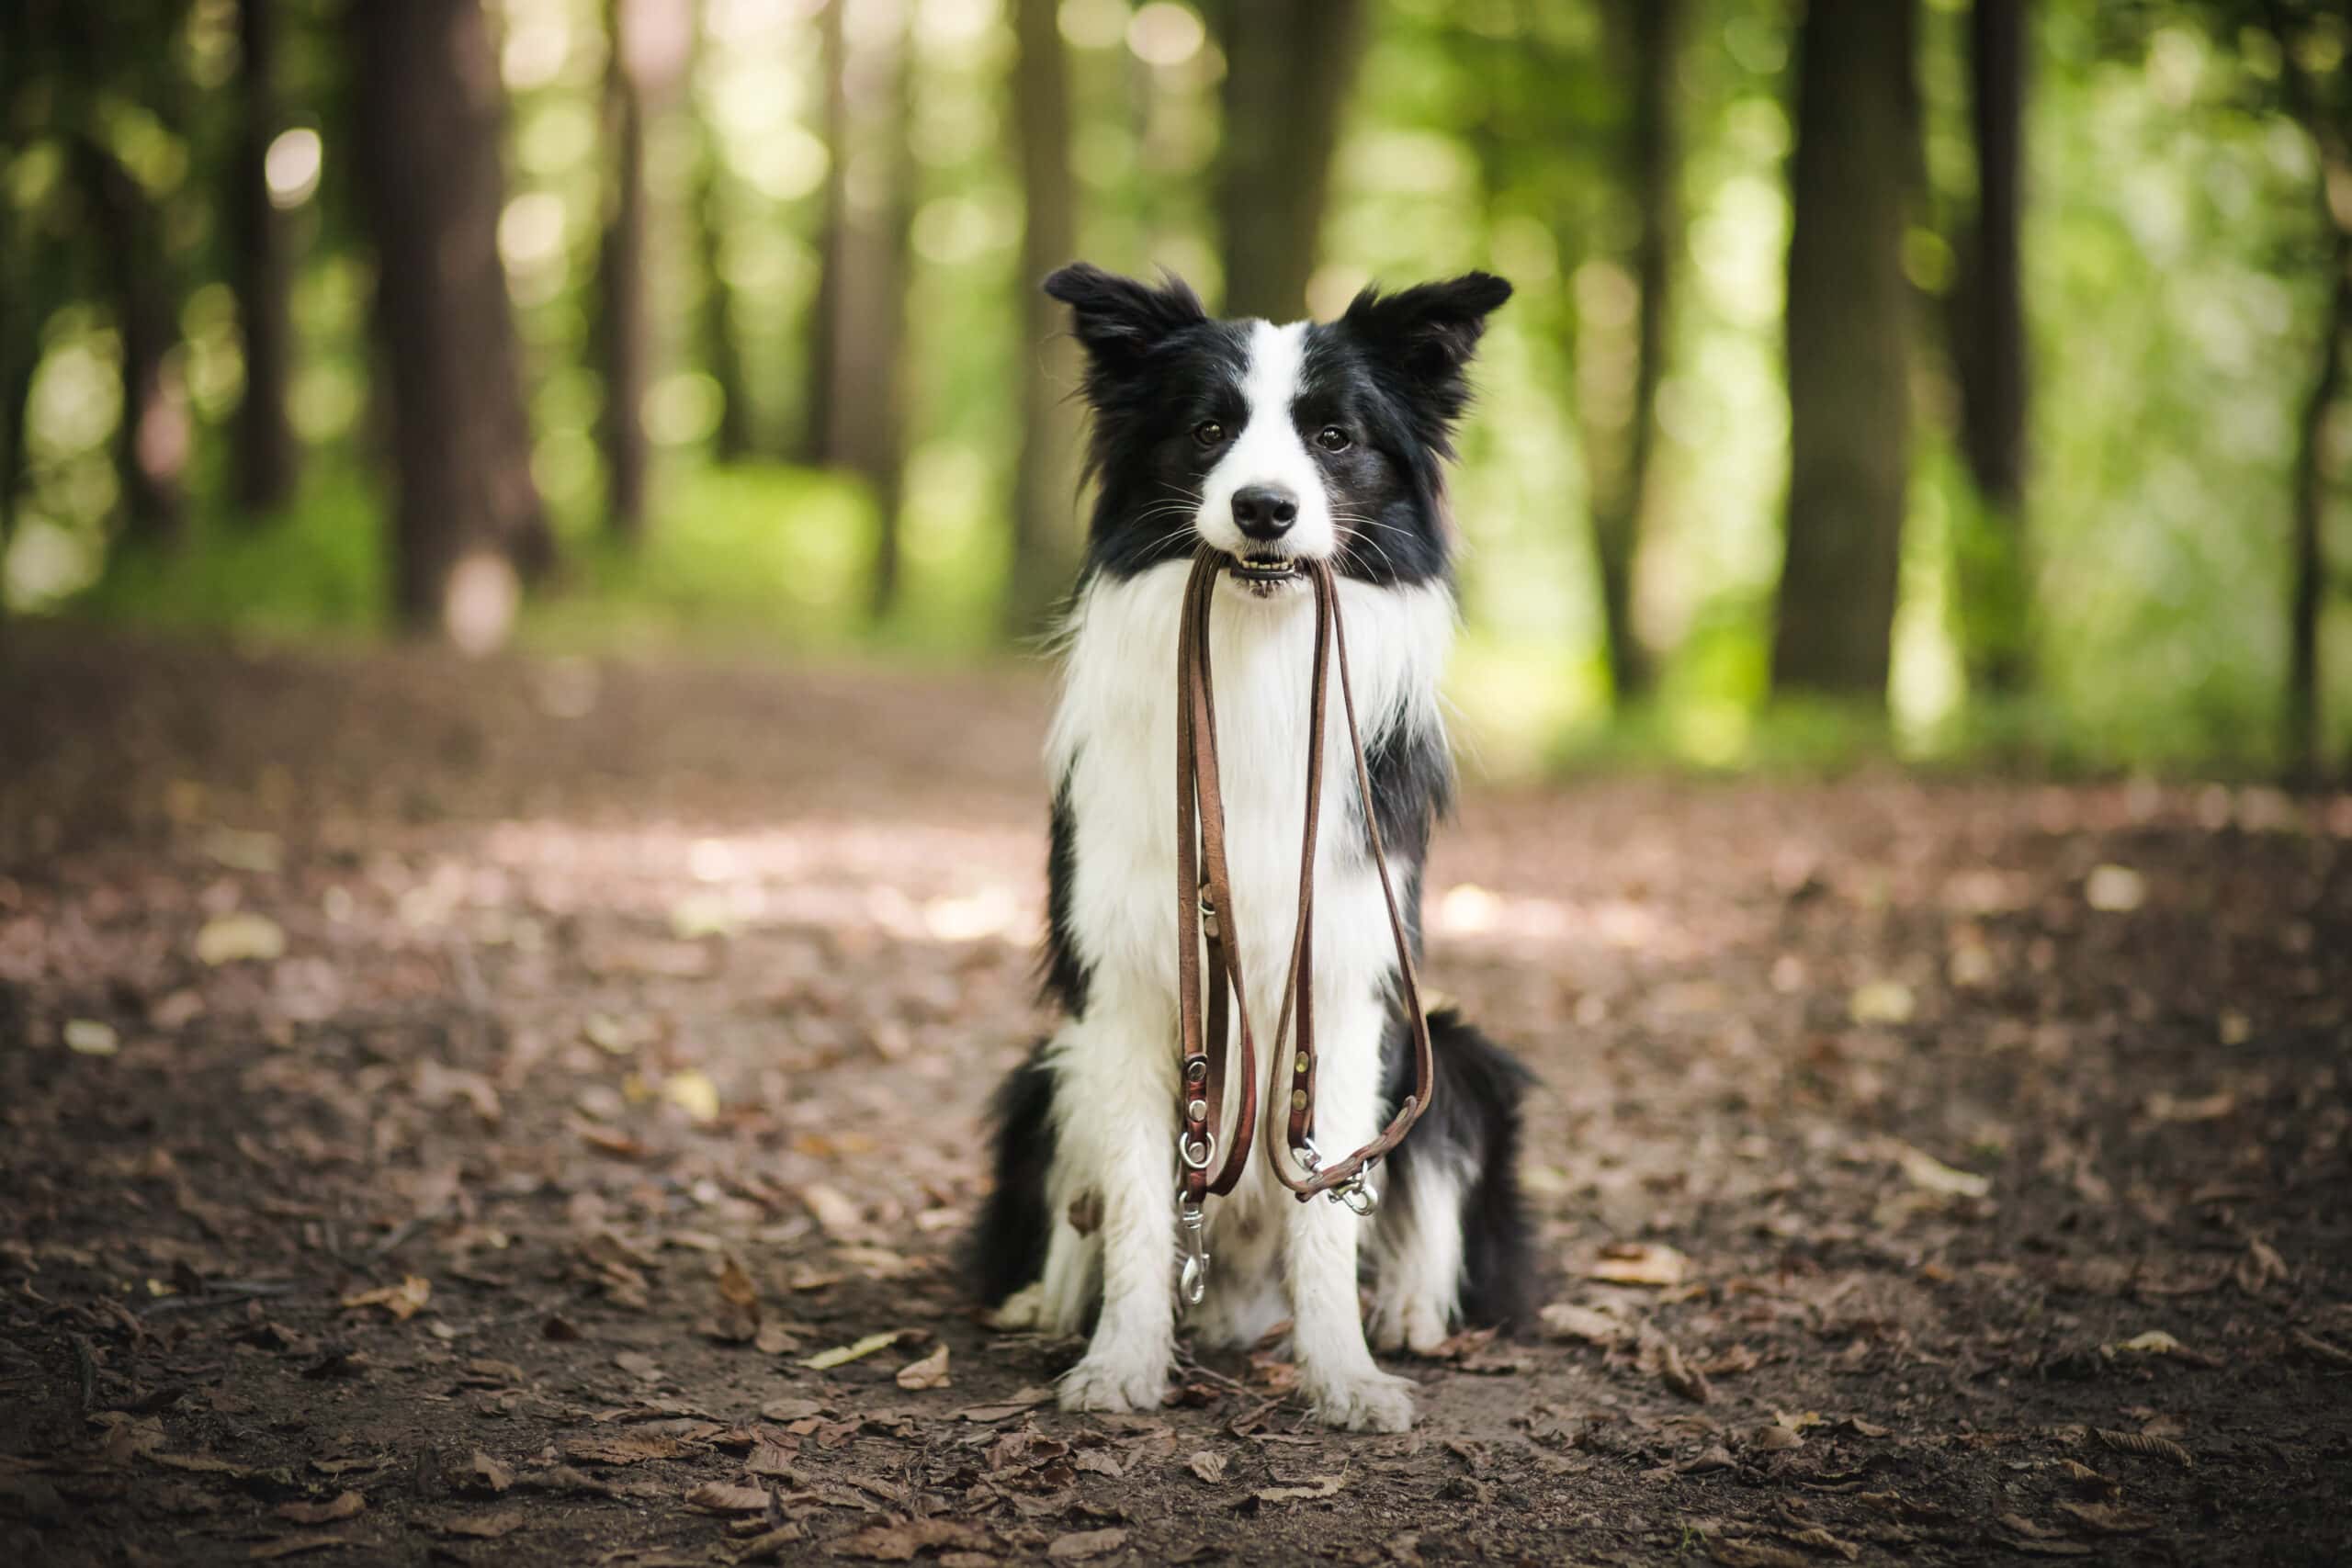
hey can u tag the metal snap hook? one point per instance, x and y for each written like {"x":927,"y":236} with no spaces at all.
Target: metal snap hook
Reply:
{"x":1192,"y":1273}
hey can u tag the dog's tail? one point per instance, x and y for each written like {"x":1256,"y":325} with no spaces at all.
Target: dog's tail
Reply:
{"x":1007,"y":1249}
{"x":1473,"y":1123}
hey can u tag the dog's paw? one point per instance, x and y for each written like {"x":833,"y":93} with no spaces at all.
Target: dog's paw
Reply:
{"x":1113,"y":1385}
{"x":1025,"y":1309}
{"x":1415,"y":1327}
{"x":1368,"y":1402}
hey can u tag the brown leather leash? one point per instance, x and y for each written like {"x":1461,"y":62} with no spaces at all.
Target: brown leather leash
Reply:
{"x":1205,"y":968}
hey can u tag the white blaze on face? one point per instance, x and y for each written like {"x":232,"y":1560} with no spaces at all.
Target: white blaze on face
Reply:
{"x":1267,"y":451}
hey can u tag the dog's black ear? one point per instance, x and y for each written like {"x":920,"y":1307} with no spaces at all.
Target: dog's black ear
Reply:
{"x":1424,"y":338}
{"x":1429,"y":330}
{"x":1118,"y":320}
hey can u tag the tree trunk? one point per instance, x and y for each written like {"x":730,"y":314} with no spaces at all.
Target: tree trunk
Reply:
{"x":620,"y":281}
{"x":267,"y":452}
{"x":1989,"y":352}
{"x":649,"y":43}
{"x":1289,"y":65}
{"x":816,"y":448}
{"x":2305,"y":741}
{"x":1621,"y":456}
{"x":721,"y":356}
{"x":426,"y":149}
{"x":1045,"y":524}
{"x":858,"y":343}
{"x":1848,"y":309}
{"x":153,"y":438}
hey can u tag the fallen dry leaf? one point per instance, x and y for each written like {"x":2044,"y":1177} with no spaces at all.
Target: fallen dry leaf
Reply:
{"x":1564,"y":1320}
{"x":1209,"y":1466}
{"x":2139,"y":1443}
{"x":2319,"y":1349}
{"x":842,"y":1355}
{"x":2258,"y":1266}
{"x":89,"y":1037}
{"x":1882,"y":1001}
{"x":1754,"y":1555}
{"x":1659,"y":1357}
{"x":835,"y":1215}
{"x":403,"y":1300}
{"x":1077,"y":1546}
{"x":929,"y":1372}
{"x":729,"y":1497}
{"x":487,"y":1472}
{"x":341,"y":1507}
{"x":2109,"y":1518}
{"x":486,"y":1527}
{"x":1925,"y":1171}
{"x":692,"y":1092}
{"x":735,"y":1286}
{"x":1639,"y":1263}
{"x":900,"y":1543}
{"x":792,"y":1409}
{"x":294,"y":1545}
{"x":1027,"y":1400}
{"x":227,"y":939}
{"x":768,"y":1545}
{"x":621,"y":1448}
{"x":1315,"y":1487}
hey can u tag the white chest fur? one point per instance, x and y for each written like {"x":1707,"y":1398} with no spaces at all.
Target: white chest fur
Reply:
{"x":1113,"y":741}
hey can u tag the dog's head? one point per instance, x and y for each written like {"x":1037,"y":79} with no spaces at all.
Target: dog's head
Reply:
{"x":1273,"y":443}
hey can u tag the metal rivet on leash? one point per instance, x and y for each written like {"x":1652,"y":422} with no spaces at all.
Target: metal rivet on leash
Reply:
{"x":1204,"y":909}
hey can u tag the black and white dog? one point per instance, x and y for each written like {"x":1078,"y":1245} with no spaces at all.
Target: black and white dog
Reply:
{"x":1267,"y":441}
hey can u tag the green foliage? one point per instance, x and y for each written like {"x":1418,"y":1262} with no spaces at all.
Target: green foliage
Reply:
{"x":322,"y":571}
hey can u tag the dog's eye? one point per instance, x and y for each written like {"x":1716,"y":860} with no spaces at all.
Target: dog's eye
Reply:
{"x":1208,"y":433}
{"x":1331,"y":438}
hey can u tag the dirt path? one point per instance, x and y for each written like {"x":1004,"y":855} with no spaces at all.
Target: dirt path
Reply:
{"x":444,"y":1109}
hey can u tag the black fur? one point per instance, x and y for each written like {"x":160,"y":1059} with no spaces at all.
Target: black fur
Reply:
{"x":1473,"y":1120}
{"x":1065,"y":976}
{"x":1390,"y":372}
{"x":1007,"y":1249}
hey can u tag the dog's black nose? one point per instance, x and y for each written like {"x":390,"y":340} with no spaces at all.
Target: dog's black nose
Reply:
{"x":1264,"y":512}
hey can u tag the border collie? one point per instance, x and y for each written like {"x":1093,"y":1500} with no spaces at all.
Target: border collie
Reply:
{"x":1270,"y":444}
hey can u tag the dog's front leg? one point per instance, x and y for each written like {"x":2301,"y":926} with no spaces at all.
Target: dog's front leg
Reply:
{"x":1117,"y":1096}
{"x":1343,"y":1382}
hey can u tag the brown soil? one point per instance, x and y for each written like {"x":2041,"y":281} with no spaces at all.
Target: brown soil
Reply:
{"x":1931,"y":1172}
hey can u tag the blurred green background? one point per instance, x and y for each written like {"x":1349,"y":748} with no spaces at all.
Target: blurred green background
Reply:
{"x":1962,"y":377}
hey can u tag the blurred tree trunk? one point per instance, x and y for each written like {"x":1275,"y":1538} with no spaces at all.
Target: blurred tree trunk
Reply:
{"x":721,"y":356}
{"x":22,"y":314}
{"x":856,"y":416}
{"x":1848,"y":310}
{"x":428,"y":109}
{"x":621,"y":337}
{"x":1651,"y":41}
{"x":648,"y":46}
{"x":2322,"y":106}
{"x":1989,"y":353}
{"x":1289,"y":65}
{"x":1044,"y":530}
{"x":267,"y":452}
{"x":153,"y":439}
{"x":2305,"y":741}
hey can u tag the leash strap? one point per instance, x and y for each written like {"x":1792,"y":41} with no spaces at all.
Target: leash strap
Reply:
{"x":1204,"y":909}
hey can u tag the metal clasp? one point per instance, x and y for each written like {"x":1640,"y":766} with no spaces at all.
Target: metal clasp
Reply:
{"x":1356,"y":1194}
{"x":1191,"y":1243}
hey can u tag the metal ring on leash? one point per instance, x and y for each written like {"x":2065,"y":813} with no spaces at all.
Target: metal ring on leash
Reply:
{"x":1208,"y":1146}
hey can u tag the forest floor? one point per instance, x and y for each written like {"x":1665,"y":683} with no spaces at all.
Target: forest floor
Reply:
{"x":449,"y":1112}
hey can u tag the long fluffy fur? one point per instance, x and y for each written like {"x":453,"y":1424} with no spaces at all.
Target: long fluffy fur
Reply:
{"x":1352,"y":420}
